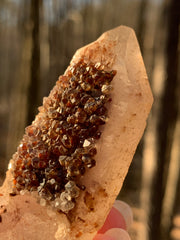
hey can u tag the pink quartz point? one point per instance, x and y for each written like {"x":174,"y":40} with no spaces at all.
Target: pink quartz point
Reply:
{"x":25,"y":216}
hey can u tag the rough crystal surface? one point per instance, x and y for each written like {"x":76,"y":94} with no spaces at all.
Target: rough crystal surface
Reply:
{"x":127,"y":114}
{"x":59,"y":146}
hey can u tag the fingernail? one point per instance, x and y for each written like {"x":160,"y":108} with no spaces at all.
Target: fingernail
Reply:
{"x":103,"y":237}
{"x":117,"y":234}
{"x":125,"y":210}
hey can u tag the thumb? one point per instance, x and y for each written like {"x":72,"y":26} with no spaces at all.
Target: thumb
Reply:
{"x":120,"y":216}
{"x":113,"y":234}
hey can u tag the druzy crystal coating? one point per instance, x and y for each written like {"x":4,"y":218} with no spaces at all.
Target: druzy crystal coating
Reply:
{"x":60,"y":145}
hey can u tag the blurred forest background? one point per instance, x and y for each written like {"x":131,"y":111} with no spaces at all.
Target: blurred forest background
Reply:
{"x":37,"y":41}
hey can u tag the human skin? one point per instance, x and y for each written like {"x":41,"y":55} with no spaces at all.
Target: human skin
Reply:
{"x":117,"y":223}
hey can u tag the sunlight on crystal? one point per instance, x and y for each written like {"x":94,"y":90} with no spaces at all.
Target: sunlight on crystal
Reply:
{"x":10,"y":166}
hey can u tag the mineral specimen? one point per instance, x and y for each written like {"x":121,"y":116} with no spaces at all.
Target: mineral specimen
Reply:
{"x":59,"y":146}
{"x":75,"y":155}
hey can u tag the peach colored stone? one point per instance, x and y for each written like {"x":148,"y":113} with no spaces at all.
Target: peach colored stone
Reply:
{"x":132,"y":99}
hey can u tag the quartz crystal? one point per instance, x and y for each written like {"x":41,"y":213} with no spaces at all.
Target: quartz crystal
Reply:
{"x":73,"y":159}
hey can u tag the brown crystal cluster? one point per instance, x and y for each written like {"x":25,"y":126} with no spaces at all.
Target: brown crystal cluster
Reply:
{"x":59,"y":147}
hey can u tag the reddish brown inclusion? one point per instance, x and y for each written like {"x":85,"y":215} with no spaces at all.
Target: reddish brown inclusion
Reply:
{"x":52,"y":147}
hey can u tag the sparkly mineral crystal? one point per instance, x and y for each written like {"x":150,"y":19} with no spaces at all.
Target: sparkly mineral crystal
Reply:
{"x":59,"y":146}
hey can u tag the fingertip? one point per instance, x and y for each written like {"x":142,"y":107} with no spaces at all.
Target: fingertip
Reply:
{"x":120,"y":216}
{"x":117,"y":234}
{"x":103,"y":237}
{"x":114,"y":220}
{"x":126,"y":212}
{"x":113,"y":234}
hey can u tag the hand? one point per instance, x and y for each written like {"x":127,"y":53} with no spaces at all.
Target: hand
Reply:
{"x":117,"y":222}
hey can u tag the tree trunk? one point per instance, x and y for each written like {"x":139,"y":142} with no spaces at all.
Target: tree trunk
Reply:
{"x":33,"y":92}
{"x":167,"y":121}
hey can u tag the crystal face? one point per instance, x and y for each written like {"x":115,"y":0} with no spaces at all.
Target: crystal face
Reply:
{"x":60,"y":145}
